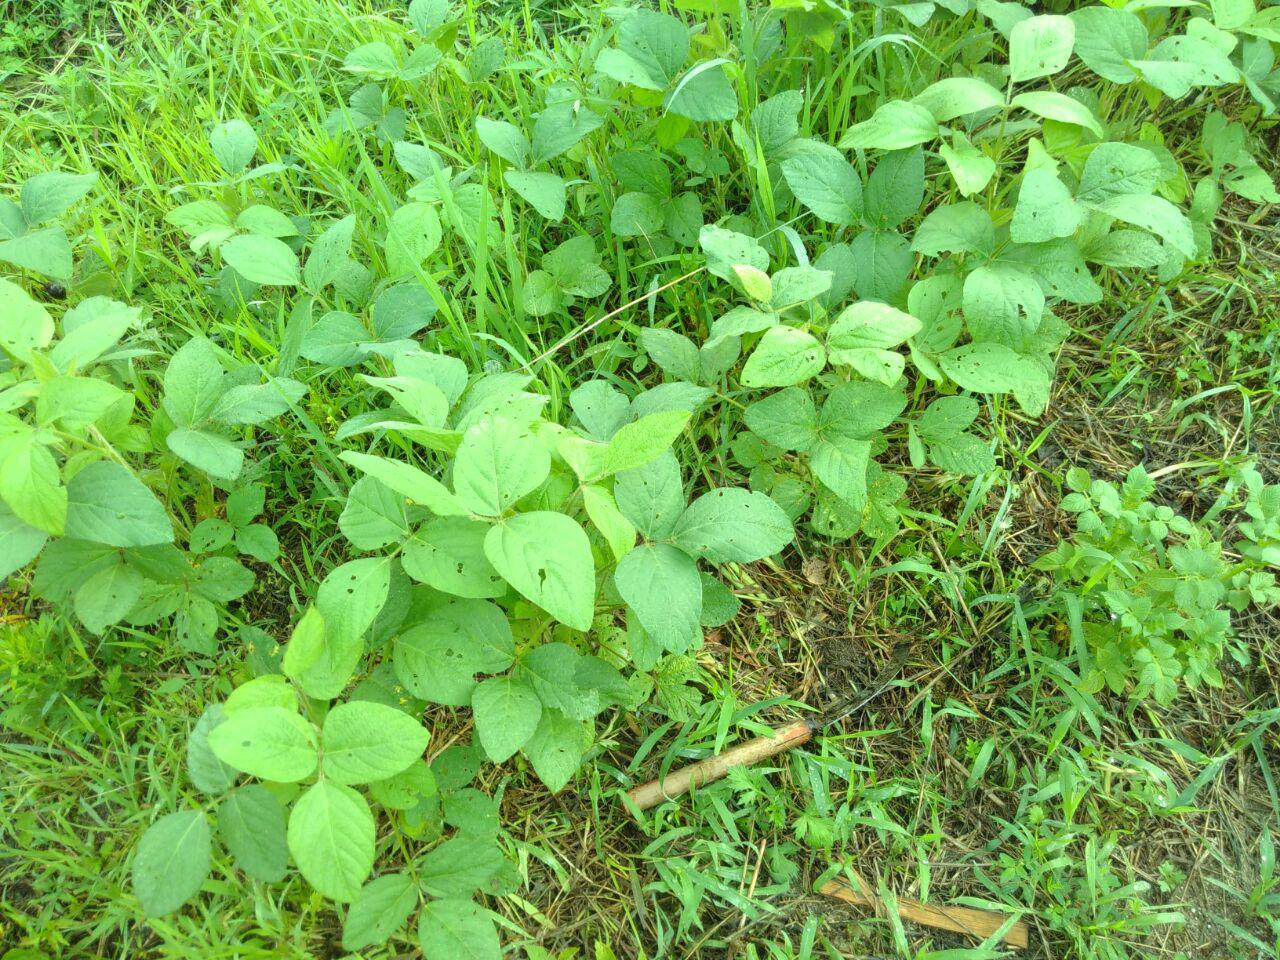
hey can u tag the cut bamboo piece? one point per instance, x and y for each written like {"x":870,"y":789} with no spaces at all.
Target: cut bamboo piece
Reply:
{"x":976,"y":923}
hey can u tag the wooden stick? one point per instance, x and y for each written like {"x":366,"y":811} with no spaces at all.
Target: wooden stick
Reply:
{"x":679,"y":782}
{"x":977,"y":923}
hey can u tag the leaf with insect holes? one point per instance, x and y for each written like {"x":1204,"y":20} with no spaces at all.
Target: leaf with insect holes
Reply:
{"x":272,"y":743}
{"x":546,"y":556}
{"x":498,"y":463}
{"x":172,"y":861}
{"x":788,"y":419}
{"x":1040,"y":46}
{"x":556,"y":748}
{"x":438,"y":659}
{"x":783,"y":356}
{"x":1108,"y":39}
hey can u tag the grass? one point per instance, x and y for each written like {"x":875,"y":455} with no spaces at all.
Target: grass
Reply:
{"x":984,"y":777}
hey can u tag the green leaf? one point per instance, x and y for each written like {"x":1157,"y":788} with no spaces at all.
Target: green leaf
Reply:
{"x":172,"y":862}
{"x":306,"y":644}
{"x":970,"y":167}
{"x":636,"y":215}
{"x":351,"y":596}
{"x":460,"y":865}
{"x":272,"y":743}
{"x":1155,"y":214}
{"x":619,"y":532}
{"x":206,"y":771}
{"x":413,"y":234}
{"x":30,"y":483}
{"x":1106,"y":39}
{"x":408,"y":481}
{"x":655,"y":42}
{"x":546,"y":556}
{"x":704,"y":93}
{"x":958,"y":97}
{"x":258,"y":541}
{"x":542,"y":191}
{"x":504,"y":139}
{"x":726,"y":249}
{"x":331,"y":837}
{"x":251,"y":823}
{"x":1179,"y":64}
{"x":883,"y":264}
{"x":448,"y":554}
{"x":733,"y":525}
{"x":44,"y":251}
{"x":673,"y":352}
{"x":827,"y":184}
{"x":783,"y":356}
{"x":379,"y":911}
{"x":868,"y":324}
{"x":194,"y":383}
{"x":363,"y":741}
{"x":896,"y":125}
{"x":1060,"y":107}
{"x":457,"y":930}
{"x":842,"y":466}
{"x":497,"y":464}
{"x":207,"y":451}
{"x":329,"y":254}
{"x":48,"y":195}
{"x":559,"y":127}
{"x":957,"y":228}
{"x":556,"y":748}
{"x":507,"y":711}
{"x":1040,"y":46}
{"x":25,"y":325}
{"x":90,"y":329}
{"x":20,"y":542}
{"x":652,"y":496}
{"x":643,"y":440}
{"x":1117,"y":169}
{"x":1003,"y":304}
{"x":661,"y":584}
{"x":991,"y":368}
{"x":858,"y":409}
{"x":895,"y":189}
{"x":264,"y":260}
{"x":788,"y":419}
{"x":107,"y":596}
{"x":438,"y":659}
{"x":108,"y":504}
{"x":1045,"y":209}
{"x":234,"y":143}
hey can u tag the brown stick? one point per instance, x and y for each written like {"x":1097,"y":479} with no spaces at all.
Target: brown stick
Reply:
{"x":679,"y":782}
{"x":977,"y":923}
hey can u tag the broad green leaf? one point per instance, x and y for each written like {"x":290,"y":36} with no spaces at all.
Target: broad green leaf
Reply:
{"x":842,"y":466}
{"x":1107,"y":39}
{"x":377,"y":59}
{"x":48,"y":195}
{"x":792,"y":285}
{"x":25,"y":325}
{"x":331,"y":837}
{"x":673,"y":352}
{"x":194,"y":383}
{"x":205,"y":770}
{"x":234,"y":143}
{"x":657,"y":43}
{"x":506,"y":711}
{"x":970,"y":167}
{"x":725,"y":249}
{"x":858,"y":409}
{"x":704,"y":93}
{"x":1118,"y":169}
{"x":1002,"y":304}
{"x":251,"y":823}
{"x":108,"y":504}
{"x":1040,"y":46}
{"x":408,"y":481}
{"x":991,"y":368}
{"x":207,"y":451}
{"x":457,"y":930}
{"x":559,"y":127}
{"x":30,"y":484}
{"x":272,"y":743}
{"x":636,"y":215}
{"x":1179,"y":64}
{"x":374,"y":515}
{"x":619,"y":532}
{"x":306,"y":644}
{"x":827,"y":184}
{"x":90,"y":329}
{"x":546,"y":556}
{"x":895,"y":189}
{"x":413,"y":234}
{"x":448,"y":554}
{"x":1060,"y":107}
{"x":107,"y":596}
{"x":896,"y":125}
{"x":788,"y":419}
{"x":883,"y":264}
{"x":542,"y":191}
{"x":350,"y":596}
{"x":363,"y":741}
{"x":438,"y":659}
{"x":504,"y":139}
{"x":263,"y":260}
{"x":461,"y":865}
{"x":556,"y":748}
{"x":379,"y":911}
{"x":643,"y":440}
{"x":75,"y":402}
{"x":868,"y":324}
{"x":652,"y":496}
{"x":661,"y":584}
{"x":958,"y":97}
{"x":963,"y":227}
{"x":1045,"y":209}
{"x":1155,"y":214}
{"x":498,"y":463}
{"x":44,"y":251}
{"x":733,"y":525}
{"x":329,"y":254}
{"x":172,"y":862}
{"x":269,"y":690}
{"x":783,"y":356}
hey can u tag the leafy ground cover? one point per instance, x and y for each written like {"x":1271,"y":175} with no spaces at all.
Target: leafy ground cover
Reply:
{"x":423,"y":422}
